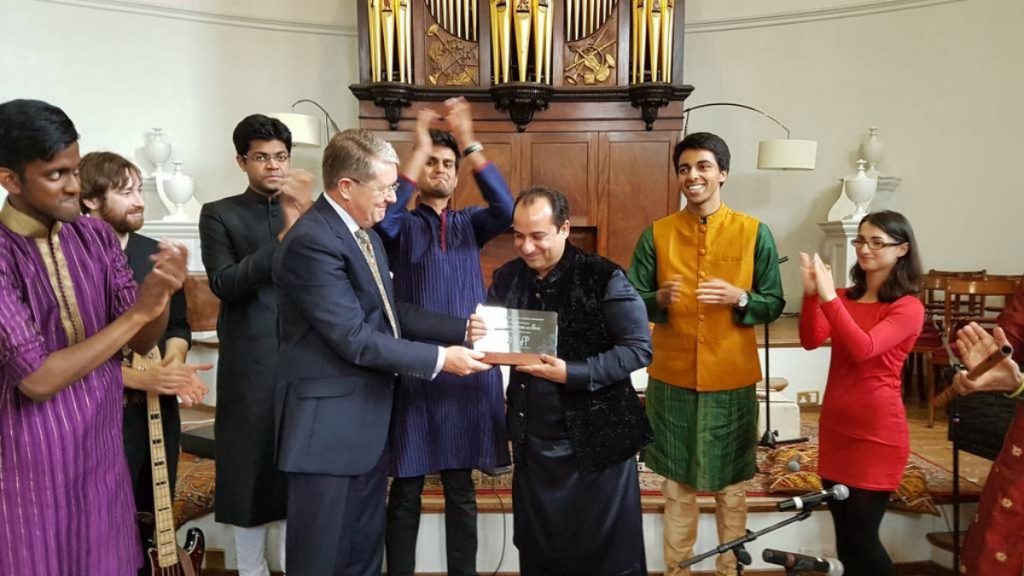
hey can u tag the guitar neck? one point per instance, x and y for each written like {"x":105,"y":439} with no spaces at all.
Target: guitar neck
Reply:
{"x":166,"y":542}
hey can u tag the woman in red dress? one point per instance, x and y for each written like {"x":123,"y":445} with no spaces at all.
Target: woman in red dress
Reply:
{"x":863,"y":428}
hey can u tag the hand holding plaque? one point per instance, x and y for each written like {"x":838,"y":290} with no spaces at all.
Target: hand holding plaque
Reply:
{"x":517,"y":337}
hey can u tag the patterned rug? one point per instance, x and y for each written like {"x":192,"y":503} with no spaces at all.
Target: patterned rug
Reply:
{"x":938,"y":480}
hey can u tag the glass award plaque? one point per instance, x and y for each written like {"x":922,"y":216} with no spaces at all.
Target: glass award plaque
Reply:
{"x":517,"y":337}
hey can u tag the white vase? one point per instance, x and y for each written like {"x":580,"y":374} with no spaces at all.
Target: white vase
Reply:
{"x":179,"y":189}
{"x":860,"y":189}
{"x":871,"y":151}
{"x":158,"y":151}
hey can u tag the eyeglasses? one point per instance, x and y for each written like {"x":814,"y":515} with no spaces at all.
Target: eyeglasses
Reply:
{"x":261,"y":158}
{"x":874,"y":243}
{"x":381,"y":191}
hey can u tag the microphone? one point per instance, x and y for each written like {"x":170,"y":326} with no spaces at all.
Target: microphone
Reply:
{"x":802,"y":563}
{"x":837,"y":492}
{"x":794,"y":463}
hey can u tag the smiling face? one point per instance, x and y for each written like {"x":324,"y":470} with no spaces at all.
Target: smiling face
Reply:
{"x":367,"y":201}
{"x":700,"y":180}
{"x":440,"y":175}
{"x":123,"y":207}
{"x":47,"y":190}
{"x":539,"y":241}
{"x":882,"y":260}
{"x":266,"y":173}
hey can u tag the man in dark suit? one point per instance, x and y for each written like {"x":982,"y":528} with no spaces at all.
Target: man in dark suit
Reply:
{"x":342,"y":347}
{"x":111,"y":189}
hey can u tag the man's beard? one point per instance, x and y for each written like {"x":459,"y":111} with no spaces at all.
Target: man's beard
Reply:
{"x":121,"y":223}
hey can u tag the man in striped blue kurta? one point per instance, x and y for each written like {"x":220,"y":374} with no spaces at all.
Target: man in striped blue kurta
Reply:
{"x":453,"y":424}
{"x":67,"y":307}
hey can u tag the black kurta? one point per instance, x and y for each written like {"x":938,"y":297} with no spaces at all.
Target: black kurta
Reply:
{"x":575,"y":492}
{"x":136,"y":414}
{"x":239,"y":238}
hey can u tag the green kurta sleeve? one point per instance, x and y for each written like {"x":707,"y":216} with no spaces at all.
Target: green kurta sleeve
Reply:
{"x":766,"y":298}
{"x":643,"y":275}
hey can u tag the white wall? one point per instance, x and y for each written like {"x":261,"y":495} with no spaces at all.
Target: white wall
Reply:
{"x":120,"y":68}
{"x":941,"y":78}
{"x":943,"y":81}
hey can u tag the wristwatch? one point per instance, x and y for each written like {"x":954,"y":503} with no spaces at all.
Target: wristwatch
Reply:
{"x":744,"y":300}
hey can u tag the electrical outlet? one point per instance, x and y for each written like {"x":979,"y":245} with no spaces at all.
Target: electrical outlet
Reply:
{"x":807,"y":398}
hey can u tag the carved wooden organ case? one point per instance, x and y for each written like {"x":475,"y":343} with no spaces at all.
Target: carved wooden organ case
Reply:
{"x":582,"y":95}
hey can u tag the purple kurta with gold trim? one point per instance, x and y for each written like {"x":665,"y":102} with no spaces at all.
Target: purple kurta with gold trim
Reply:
{"x":65,"y":498}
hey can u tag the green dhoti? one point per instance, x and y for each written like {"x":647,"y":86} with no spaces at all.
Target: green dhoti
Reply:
{"x":707,"y":440}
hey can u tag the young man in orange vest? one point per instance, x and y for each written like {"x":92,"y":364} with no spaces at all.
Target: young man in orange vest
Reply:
{"x":707,"y":274}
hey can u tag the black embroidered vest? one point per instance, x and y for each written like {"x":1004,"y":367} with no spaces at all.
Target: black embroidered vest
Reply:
{"x":605,"y":426}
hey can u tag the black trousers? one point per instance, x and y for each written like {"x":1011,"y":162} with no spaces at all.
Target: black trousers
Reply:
{"x":459,"y":522}
{"x":857,"y":520}
{"x":336,"y":523}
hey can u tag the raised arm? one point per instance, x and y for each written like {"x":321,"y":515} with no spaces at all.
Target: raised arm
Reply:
{"x":903,"y":320}
{"x":41,"y":374}
{"x":814,"y":328}
{"x":497,"y":216}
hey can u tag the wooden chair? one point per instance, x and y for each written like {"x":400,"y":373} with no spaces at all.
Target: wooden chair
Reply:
{"x":966,"y":300}
{"x":932,"y":295}
{"x":203,"y":305}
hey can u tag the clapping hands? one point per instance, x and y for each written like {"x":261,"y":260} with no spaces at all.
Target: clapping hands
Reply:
{"x":817,"y":277}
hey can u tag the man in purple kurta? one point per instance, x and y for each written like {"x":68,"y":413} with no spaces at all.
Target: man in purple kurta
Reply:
{"x":68,"y":306}
{"x":451,"y":424}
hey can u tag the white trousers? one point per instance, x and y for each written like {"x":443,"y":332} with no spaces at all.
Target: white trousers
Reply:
{"x":250,"y":549}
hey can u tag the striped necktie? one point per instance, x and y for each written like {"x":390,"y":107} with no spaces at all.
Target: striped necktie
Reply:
{"x":367,"y":247}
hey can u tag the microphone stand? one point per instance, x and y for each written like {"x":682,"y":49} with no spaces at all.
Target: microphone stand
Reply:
{"x":770,"y":437}
{"x":954,"y":435}
{"x":736,"y":546}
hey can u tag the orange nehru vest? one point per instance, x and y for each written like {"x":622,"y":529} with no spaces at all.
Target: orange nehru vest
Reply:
{"x":701,"y":346}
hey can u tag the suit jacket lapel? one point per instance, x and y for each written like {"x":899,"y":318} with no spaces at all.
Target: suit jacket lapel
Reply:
{"x":341,"y":230}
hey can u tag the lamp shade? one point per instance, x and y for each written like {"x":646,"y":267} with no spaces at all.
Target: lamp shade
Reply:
{"x":305,"y":129}
{"x":786,"y":154}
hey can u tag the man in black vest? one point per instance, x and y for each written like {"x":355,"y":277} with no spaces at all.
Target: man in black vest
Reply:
{"x":575,"y":420}
{"x":112,"y":191}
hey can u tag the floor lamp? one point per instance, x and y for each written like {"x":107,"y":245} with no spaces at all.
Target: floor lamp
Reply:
{"x":779,"y":154}
{"x":305,"y":129}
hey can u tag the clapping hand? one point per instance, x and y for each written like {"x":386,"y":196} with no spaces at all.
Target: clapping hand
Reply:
{"x":823,"y":282}
{"x":718,"y":291}
{"x":296,"y":196}
{"x":807,"y":274}
{"x":167,"y":276}
{"x":425,"y":118}
{"x":670,"y":291}
{"x":975,"y":345}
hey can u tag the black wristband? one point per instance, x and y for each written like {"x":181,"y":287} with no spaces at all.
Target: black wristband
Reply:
{"x":473,"y":147}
